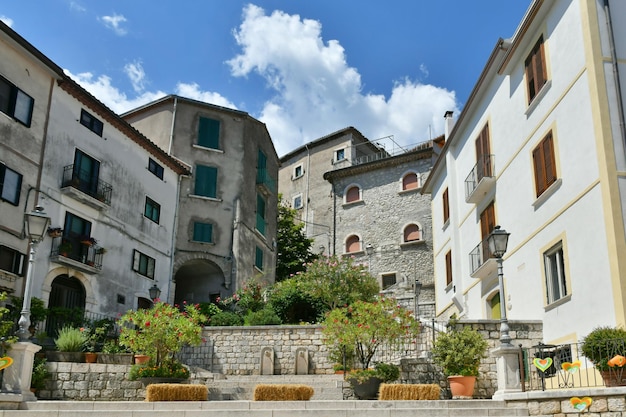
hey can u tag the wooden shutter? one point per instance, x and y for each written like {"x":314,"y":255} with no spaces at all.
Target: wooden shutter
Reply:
{"x":409,"y":182}
{"x":353,"y":244}
{"x":544,"y":164}
{"x":448,"y":268}
{"x":206,"y":181}
{"x":487,"y":223}
{"x":446,"y":206}
{"x":412,"y":233}
{"x":209,"y":133}
{"x":483,"y":152}
{"x":353,"y":194}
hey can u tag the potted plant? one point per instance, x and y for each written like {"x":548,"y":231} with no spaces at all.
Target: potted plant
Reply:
{"x":600,"y":346}
{"x":114,"y":353}
{"x":363,"y":327}
{"x":39,"y":375}
{"x":160,"y":333}
{"x":70,"y":343}
{"x":366,"y":382}
{"x":55,"y":231}
{"x":459,"y":353}
{"x":65,"y":248}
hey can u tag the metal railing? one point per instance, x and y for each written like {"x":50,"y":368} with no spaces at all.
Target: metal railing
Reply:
{"x":479,"y":255}
{"x":87,"y":183}
{"x":485,"y":167}
{"x":72,"y":247}
{"x":265,"y":179}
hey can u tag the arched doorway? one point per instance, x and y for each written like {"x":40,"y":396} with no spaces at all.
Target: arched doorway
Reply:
{"x":199,"y":281}
{"x":66,"y":304}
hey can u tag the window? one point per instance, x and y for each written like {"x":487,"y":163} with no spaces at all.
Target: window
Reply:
{"x":535,"y":70}
{"x":297,"y":201}
{"x":556,"y":283}
{"x":15,"y":103}
{"x":86,"y":173}
{"x":297,"y":172}
{"x":388,"y":280}
{"x":353,"y":244}
{"x":412,"y":233}
{"x":11,"y":261}
{"x":10,"y":185}
{"x":155,"y":168}
{"x":410,"y":181}
{"x":446,"y":206}
{"x":544,"y":164}
{"x":76,"y":226}
{"x":340,"y":155}
{"x":152,"y":210}
{"x":353,"y":194}
{"x":143,"y":264}
{"x":90,"y":122}
{"x":448,"y":268}
{"x":203,"y":232}
{"x":121,"y":299}
{"x":483,"y":155}
{"x":209,"y":133}
{"x":206,"y":181}
{"x":258,"y":258}
{"x":260,"y":214}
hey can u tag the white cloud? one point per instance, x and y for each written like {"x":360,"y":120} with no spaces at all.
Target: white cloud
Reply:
{"x":316,"y":92}
{"x":7,"y":21}
{"x":114,"y":22}
{"x":136,"y":74}
{"x":77,"y":7}
{"x":194,"y":92}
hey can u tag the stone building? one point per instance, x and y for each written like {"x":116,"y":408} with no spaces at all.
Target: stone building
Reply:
{"x":382,"y":220}
{"x":227,"y":210}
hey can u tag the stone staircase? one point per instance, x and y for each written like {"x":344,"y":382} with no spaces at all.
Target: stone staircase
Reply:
{"x":321,"y":408}
{"x":230,"y":387}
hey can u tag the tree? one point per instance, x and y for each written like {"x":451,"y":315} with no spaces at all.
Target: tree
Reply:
{"x":294,"y":248}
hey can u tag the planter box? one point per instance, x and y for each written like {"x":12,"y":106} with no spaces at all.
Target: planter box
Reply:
{"x":116,"y":358}
{"x":53,"y":356}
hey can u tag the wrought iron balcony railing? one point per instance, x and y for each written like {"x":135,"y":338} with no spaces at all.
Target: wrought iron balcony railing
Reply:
{"x":264,"y":179}
{"x":77,"y":249}
{"x":480,"y":179}
{"x":87,"y":183}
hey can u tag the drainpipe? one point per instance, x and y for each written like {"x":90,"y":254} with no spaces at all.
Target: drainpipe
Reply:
{"x":614,"y":63}
{"x":170,"y":299}
{"x":306,"y":209}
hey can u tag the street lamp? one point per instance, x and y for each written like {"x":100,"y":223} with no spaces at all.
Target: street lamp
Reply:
{"x":418,"y":290}
{"x":155,"y":292}
{"x":36,"y":223}
{"x":498,"y":240}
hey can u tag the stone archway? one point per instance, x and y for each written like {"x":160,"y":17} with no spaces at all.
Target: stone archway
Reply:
{"x":66,"y":304}
{"x":199,"y":281}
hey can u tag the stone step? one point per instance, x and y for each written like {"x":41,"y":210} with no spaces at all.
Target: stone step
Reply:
{"x":349,"y":408}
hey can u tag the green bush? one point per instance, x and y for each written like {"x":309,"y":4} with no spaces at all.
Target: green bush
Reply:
{"x":293,"y":304}
{"x":226,"y":318}
{"x":459,"y":352}
{"x":70,"y":339}
{"x":208,"y":310}
{"x":602,"y":344}
{"x":264,"y":317}
{"x":40,"y":374}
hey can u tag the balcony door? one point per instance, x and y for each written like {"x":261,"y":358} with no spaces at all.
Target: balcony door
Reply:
{"x":483,"y":155}
{"x":487,"y":223}
{"x":87,"y":171}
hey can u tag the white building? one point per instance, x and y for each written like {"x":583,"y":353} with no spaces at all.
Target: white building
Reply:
{"x":539,"y":149}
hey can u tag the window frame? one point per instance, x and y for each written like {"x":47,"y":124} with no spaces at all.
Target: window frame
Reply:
{"x":206,"y":190}
{"x":18,"y":186}
{"x":155,"y":168}
{"x":544,"y":164}
{"x":258,"y":258}
{"x":209,"y":135}
{"x":385,"y":277}
{"x":346,"y":193}
{"x":404,"y":185}
{"x":91,"y":122}
{"x":349,"y":240}
{"x":14,"y":108}
{"x":449,"y":268}
{"x":404,"y":233}
{"x":555,"y":274}
{"x":18,"y":261}
{"x":137,"y":264}
{"x":151,"y":210}
{"x":337,"y":153}
{"x":535,"y":70}
{"x":196,"y":233}
{"x":446,"y":206}
{"x":296,"y":198}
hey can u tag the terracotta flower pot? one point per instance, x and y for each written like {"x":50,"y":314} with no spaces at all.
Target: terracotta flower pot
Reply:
{"x":139,"y":359}
{"x":462,"y":386}
{"x":91,"y":357}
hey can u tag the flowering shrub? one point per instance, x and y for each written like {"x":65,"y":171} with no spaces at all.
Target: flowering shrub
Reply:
{"x":364,"y":326}
{"x":161,"y":332}
{"x":338,"y":282}
{"x":96,"y":334}
{"x":245,"y":300}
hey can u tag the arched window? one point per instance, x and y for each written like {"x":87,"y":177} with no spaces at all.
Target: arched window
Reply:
{"x":410,"y":181}
{"x":353,"y":244}
{"x":353,"y":194}
{"x":412,"y":233}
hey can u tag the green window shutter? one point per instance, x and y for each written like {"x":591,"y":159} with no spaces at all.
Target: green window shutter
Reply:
{"x":260,"y":214}
{"x":209,"y":133}
{"x":206,"y":181}
{"x":203,"y":232}
{"x":258,"y":259}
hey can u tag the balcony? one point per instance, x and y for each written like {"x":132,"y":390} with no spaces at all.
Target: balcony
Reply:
{"x":482,"y":264}
{"x":481,"y":180}
{"x":265,"y":181}
{"x":86,"y":188}
{"x":77,"y":253}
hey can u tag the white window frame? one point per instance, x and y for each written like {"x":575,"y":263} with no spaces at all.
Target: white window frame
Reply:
{"x":555,"y":274}
{"x":295,"y":175}
{"x":345,"y":194}
{"x":295,"y":199}
{"x":335,"y":155}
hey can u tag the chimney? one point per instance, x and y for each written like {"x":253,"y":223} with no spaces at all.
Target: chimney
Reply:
{"x":449,"y":123}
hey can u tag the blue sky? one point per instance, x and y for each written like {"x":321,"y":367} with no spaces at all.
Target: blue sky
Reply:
{"x":306,"y":68}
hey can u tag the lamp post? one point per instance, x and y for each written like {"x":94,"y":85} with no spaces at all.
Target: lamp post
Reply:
{"x":36,"y":225}
{"x":498,"y":241}
{"x":369,"y":249}
{"x":418,"y":289}
{"x":154,"y":292}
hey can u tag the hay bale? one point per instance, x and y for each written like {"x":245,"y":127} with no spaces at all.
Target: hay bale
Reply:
{"x":409,"y":392}
{"x":177,"y":392}
{"x":282,"y":392}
